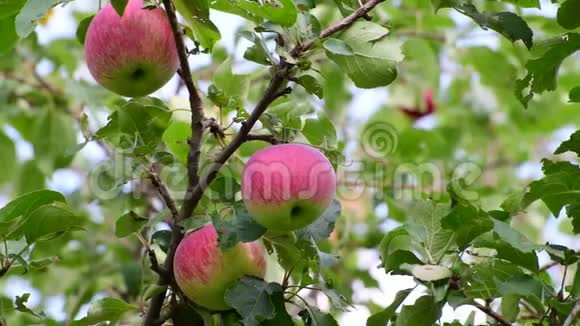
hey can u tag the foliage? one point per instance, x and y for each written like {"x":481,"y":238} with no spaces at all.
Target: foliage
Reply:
{"x":477,"y":204}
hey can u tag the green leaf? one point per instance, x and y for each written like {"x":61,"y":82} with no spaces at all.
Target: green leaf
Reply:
{"x":558,"y":188}
{"x":323,"y":226}
{"x":467,"y":222}
{"x":508,"y":24}
{"x":40,"y":264}
{"x":196,"y":13}
{"x":32,"y":11}
{"x":185,"y":315}
{"x":154,"y":290}
{"x":382,"y":318}
{"x":30,"y":178}
{"x":232,"y":8}
{"x":575,"y":291}
{"x":311,"y":85}
{"x":526,"y":3}
{"x":54,"y":140}
{"x":258,"y":52}
{"x":425,"y":311}
{"x":312,"y":316}
{"x":26,"y":204}
{"x":236,"y":228}
{"x":139,"y":124}
{"x":396,"y":249}
{"x":568,"y":14}
{"x":175,"y":137}
{"x":542,"y":72}
{"x":505,"y":232}
{"x":284,"y":12}
{"x":254,"y":299}
{"x":425,"y":227}
{"x":374,"y":56}
{"x":5,"y":305}
{"x":163,"y":239}
{"x":320,"y":131}
{"x":19,"y":304}
{"x":510,"y":307}
{"x":119,"y":6}
{"x":20,"y":260}
{"x":572,"y":145}
{"x":82,"y":28}
{"x":575,"y":94}
{"x":428,"y":273}
{"x":10,"y":7}
{"x":482,"y":278}
{"x":521,"y":285}
{"x":338,"y":47}
{"x":561,"y":254}
{"x":230,"y":84}
{"x":128,"y":224}
{"x":9,"y":160}
{"x":504,"y":250}
{"x":8,"y":37}
{"x":107,"y":309}
{"x":48,"y":221}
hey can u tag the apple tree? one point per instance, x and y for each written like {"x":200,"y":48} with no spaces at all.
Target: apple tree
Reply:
{"x":289,"y":162}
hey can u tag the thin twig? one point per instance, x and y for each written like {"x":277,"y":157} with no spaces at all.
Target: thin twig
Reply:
{"x":572,"y":316}
{"x":163,"y":192}
{"x":266,"y":138}
{"x":547,"y":266}
{"x":214,"y":127}
{"x":488,"y":311}
{"x":337,"y":27}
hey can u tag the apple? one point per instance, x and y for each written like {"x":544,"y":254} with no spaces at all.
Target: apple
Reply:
{"x":415,"y":113}
{"x":203,"y":272}
{"x":133,"y":55}
{"x":286,"y":187}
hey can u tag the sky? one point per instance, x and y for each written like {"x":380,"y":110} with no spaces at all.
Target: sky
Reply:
{"x":364,"y":104}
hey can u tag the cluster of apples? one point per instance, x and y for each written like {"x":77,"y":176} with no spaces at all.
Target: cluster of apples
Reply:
{"x":284,"y":187}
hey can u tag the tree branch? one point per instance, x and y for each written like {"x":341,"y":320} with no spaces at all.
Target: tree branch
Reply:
{"x":194,"y":100}
{"x":547,"y":266}
{"x":266,"y":138}
{"x":488,"y":311}
{"x":337,"y":27}
{"x":153,"y":314}
{"x":196,"y":184}
{"x":214,"y":127}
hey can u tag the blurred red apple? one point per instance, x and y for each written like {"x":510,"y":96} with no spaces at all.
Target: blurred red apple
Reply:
{"x":415,"y":113}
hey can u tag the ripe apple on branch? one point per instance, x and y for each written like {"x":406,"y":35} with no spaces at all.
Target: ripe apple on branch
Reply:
{"x":134,"y":54}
